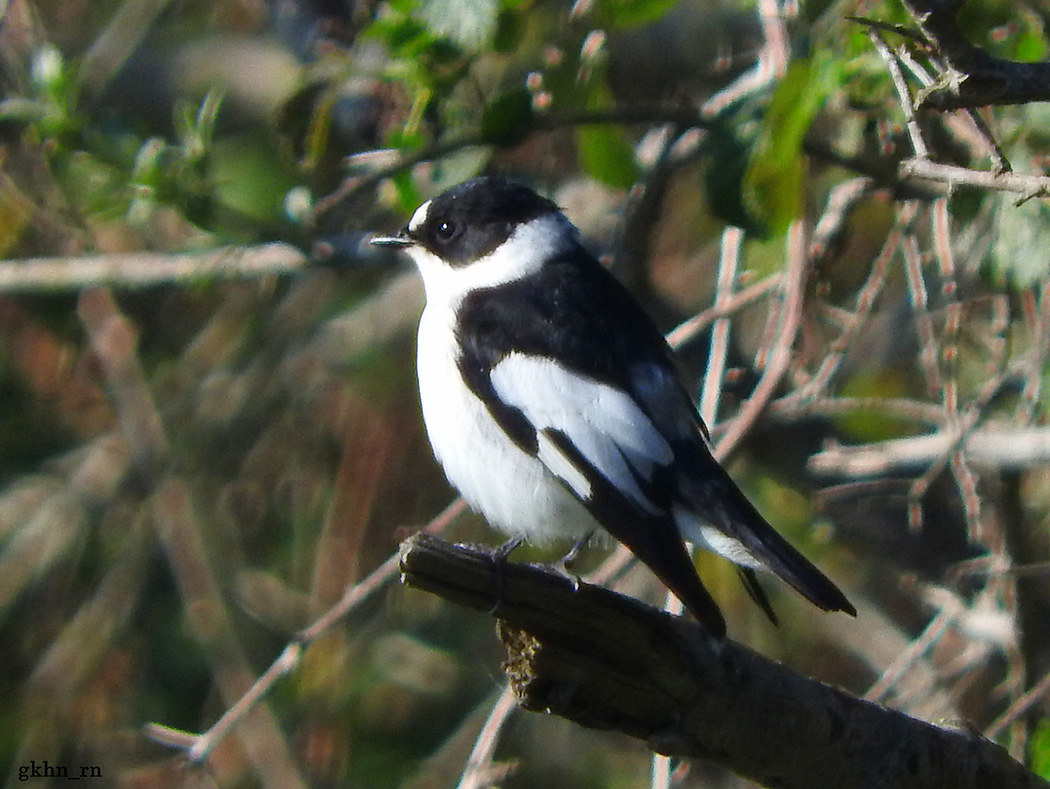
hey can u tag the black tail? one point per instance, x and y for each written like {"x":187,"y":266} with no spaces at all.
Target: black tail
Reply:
{"x":755,"y":591}
{"x":658,"y":545}
{"x":718,"y":501}
{"x":782,"y":559}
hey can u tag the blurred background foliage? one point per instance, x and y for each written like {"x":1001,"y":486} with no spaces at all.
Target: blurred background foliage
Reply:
{"x":192,"y":472}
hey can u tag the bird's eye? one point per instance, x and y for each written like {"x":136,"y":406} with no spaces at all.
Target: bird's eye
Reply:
{"x":446,"y":231}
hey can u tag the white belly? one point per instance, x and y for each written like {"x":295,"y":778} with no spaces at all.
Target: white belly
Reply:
{"x":512,"y":489}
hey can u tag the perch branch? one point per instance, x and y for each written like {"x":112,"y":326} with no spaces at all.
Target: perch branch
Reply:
{"x":609,"y":662}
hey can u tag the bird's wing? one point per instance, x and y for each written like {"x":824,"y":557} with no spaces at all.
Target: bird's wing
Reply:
{"x":611,"y":434}
{"x":599,"y":442}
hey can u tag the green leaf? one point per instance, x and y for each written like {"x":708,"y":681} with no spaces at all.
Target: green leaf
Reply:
{"x":1031,"y":47}
{"x":471,"y":24}
{"x":605,"y":151}
{"x":403,"y":35}
{"x":1039,"y":750}
{"x":606,"y":155}
{"x":406,"y":139}
{"x":773,"y":184}
{"x":248,"y":178}
{"x":407,"y":194}
{"x":632,"y":13}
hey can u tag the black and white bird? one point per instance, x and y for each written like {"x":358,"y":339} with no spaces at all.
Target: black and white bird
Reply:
{"x":553,"y":403}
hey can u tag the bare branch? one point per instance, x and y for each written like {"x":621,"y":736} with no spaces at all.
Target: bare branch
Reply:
{"x":114,"y":341}
{"x":789,"y":320}
{"x":207,"y":615}
{"x":842,"y":199}
{"x":124,"y":33}
{"x":610,"y":662}
{"x":914,"y":652}
{"x":147,"y":269}
{"x":866,"y":298}
{"x":200,"y":746}
{"x":972,"y":77}
{"x":990,"y":447}
{"x":482,"y":770}
{"x":1021,"y":706}
{"x":728,"y":264}
{"x":688,"y":329}
{"x":901,"y":86}
{"x":953,"y":176}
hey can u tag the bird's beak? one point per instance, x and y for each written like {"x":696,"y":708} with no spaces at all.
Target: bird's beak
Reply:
{"x":392,"y":241}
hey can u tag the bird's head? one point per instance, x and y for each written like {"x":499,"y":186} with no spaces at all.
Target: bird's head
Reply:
{"x":481,"y":233}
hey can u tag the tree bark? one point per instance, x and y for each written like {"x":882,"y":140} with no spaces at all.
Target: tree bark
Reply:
{"x":611,"y":662}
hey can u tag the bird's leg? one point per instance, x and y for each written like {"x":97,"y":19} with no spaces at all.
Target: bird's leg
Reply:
{"x":564,"y":566}
{"x":499,"y":559}
{"x":500,"y":554}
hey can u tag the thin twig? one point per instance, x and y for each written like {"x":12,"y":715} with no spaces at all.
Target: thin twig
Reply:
{"x":865,"y":302}
{"x":916,"y":649}
{"x":728,"y":264}
{"x":114,"y":340}
{"x":970,"y":77}
{"x":354,"y":185}
{"x":780,"y":357}
{"x":942,"y":245}
{"x":900,"y":408}
{"x":842,"y":199}
{"x":482,"y":771}
{"x":126,"y":30}
{"x":690,"y":328}
{"x":928,"y":349}
{"x":770,"y":64}
{"x":179,"y":530}
{"x":1037,"y":317}
{"x":201,"y":745}
{"x":965,"y":425}
{"x":903,"y":94}
{"x":953,"y":176}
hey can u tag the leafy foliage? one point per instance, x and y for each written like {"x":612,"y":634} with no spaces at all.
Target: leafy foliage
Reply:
{"x":774,"y":182}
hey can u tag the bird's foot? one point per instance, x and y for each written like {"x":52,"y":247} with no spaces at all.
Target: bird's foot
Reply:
{"x":500,"y":555}
{"x":565,"y":565}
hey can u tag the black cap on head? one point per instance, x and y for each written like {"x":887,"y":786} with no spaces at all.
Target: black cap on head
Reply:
{"x":471,"y":219}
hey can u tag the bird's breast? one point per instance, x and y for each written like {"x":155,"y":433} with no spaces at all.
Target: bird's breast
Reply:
{"x":511,"y":488}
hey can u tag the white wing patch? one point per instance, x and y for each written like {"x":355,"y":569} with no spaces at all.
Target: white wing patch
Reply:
{"x":603,"y":423}
{"x":562,"y":467}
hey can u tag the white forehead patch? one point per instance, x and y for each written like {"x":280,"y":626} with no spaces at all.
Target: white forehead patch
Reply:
{"x":419,"y":217}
